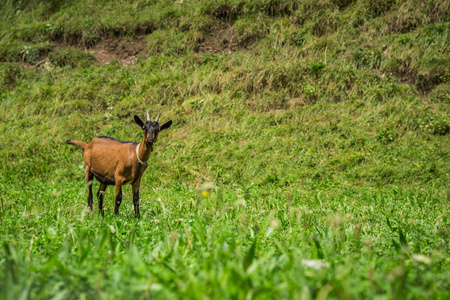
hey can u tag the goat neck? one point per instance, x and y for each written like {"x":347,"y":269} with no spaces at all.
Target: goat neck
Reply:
{"x":143,"y":152}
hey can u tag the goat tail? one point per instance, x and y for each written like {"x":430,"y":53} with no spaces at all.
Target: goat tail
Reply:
{"x":80,"y":144}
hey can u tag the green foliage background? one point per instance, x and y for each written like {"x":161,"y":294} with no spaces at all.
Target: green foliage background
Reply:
{"x":325,"y":132}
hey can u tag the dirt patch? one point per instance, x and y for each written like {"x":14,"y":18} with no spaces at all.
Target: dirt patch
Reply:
{"x":123,"y":50}
{"x":221,"y":40}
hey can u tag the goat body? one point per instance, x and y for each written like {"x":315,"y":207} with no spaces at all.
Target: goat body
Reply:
{"x":110,"y":160}
{"x":113,"y":162}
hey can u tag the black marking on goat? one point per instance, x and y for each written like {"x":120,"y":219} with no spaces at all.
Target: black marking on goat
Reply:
{"x":118,"y":201}
{"x":89,"y":182}
{"x":107,"y":137}
{"x":154,"y":126}
{"x":103,"y":179}
{"x":136,"y":204}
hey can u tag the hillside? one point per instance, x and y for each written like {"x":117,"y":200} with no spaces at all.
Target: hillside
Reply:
{"x":324,"y":127}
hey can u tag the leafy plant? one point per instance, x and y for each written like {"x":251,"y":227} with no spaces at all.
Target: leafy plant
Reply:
{"x":316,"y":67}
{"x":386,"y":136}
{"x":30,"y":54}
{"x":435,"y":124}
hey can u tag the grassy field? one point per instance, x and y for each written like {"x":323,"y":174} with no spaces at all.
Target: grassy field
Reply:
{"x":308,"y":157}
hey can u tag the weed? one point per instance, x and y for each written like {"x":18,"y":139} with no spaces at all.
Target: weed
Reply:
{"x":434,"y":123}
{"x":316,"y":68}
{"x":30,"y":55}
{"x":386,"y":136}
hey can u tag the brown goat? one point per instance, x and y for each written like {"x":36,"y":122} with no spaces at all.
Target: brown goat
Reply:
{"x":113,"y":162}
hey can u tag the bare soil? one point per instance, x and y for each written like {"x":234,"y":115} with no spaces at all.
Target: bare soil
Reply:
{"x":220,"y":40}
{"x":122,"y":50}
{"x":125,"y":50}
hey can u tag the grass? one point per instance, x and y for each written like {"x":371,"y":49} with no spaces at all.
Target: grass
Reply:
{"x":235,"y":244}
{"x":323,"y":125}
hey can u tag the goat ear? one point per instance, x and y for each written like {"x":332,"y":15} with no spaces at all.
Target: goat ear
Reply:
{"x":165,"y":125}
{"x":138,"y":121}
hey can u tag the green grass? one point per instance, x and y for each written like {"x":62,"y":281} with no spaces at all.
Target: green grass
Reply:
{"x":325,"y":130}
{"x":233,"y":243}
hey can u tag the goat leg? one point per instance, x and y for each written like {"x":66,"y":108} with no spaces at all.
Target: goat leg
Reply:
{"x":118,"y":197}
{"x":136,"y":198}
{"x":100,"y":195}
{"x":89,"y":181}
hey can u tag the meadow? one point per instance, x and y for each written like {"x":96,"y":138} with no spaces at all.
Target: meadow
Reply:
{"x":308,"y":156}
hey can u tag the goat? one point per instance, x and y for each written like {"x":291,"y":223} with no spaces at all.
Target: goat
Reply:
{"x":113,"y":162}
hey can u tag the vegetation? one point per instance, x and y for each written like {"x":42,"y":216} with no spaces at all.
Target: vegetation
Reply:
{"x":308,"y":159}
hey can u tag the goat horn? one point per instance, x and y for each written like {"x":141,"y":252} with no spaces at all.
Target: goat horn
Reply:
{"x":157,"y":118}
{"x":148,"y":117}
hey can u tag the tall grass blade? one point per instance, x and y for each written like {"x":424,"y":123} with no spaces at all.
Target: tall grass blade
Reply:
{"x":250,"y":255}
